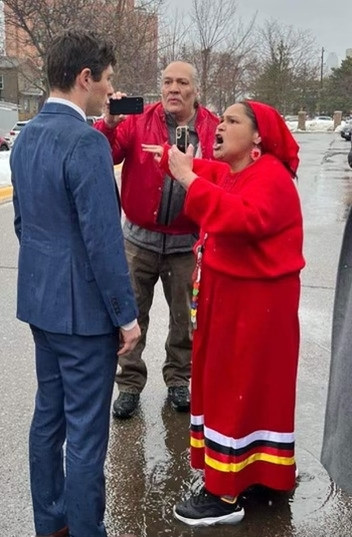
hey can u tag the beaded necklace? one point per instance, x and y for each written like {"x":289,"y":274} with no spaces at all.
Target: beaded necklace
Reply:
{"x":196,"y":282}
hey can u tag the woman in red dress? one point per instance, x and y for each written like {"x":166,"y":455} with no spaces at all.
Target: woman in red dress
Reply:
{"x":245,"y":309}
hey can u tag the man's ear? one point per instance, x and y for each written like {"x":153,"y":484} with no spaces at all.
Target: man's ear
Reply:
{"x":84,"y":78}
{"x":197,"y":96}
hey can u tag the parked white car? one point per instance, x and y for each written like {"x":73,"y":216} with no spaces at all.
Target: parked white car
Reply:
{"x":323,"y":118}
{"x":11,"y":136}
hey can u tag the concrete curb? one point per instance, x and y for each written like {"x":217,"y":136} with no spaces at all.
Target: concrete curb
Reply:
{"x":5,"y":193}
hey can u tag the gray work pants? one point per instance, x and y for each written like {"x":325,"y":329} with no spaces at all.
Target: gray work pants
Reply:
{"x":175,"y":272}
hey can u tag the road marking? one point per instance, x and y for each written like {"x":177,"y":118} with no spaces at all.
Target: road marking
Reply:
{"x":5,"y":193}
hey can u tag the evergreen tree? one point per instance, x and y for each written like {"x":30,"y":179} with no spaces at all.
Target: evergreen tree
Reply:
{"x":337,"y":89}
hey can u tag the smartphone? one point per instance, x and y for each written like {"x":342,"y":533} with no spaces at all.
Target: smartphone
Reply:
{"x":126,"y":105}
{"x":182,"y":137}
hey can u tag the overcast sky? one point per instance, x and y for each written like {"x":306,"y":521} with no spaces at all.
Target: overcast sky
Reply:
{"x":329,"y":20}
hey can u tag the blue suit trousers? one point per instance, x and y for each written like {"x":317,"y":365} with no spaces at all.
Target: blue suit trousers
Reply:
{"x":75,"y":382}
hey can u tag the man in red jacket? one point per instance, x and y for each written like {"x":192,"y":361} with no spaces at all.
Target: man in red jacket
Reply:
{"x":158,"y":236}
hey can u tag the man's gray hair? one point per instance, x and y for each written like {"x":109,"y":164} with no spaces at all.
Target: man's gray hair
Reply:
{"x":195,"y":75}
{"x":194,"y":71}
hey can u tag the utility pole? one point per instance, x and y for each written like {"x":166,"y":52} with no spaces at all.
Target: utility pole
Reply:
{"x":320,"y":93}
{"x":322,"y":67}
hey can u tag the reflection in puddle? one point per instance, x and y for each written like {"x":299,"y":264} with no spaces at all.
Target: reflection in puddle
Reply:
{"x":143,"y":485}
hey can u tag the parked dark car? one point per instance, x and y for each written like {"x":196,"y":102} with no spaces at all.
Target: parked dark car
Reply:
{"x":4,"y":146}
{"x":346,"y":131}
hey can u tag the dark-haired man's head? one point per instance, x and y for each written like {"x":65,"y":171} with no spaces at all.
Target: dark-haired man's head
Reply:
{"x":81,"y":64}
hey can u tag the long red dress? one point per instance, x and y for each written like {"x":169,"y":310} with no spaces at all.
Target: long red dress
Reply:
{"x":245,"y":347}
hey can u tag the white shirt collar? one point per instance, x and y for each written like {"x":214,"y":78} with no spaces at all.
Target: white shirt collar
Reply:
{"x":59,"y":100}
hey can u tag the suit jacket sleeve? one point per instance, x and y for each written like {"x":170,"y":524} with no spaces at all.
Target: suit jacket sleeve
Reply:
{"x":92,"y":184}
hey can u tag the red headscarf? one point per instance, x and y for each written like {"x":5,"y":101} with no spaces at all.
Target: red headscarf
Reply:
{"x":276,"y":138}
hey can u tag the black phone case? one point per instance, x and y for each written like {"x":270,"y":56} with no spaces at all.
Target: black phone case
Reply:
{"x":126,"y":105}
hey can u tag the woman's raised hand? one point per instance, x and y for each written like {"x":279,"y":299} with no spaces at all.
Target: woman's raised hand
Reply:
{"x":157,"y":150}
{"x":181,"y":164}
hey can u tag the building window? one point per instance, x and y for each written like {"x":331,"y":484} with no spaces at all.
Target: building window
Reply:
{"x":1,"y":82}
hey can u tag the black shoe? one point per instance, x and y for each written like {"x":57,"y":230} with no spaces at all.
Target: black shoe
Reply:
{"x":125,"y":405}
{"x":205,"y":509}
{"x":179,"y":398}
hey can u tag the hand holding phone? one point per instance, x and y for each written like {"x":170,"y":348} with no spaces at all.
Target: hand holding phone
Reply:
{"x":126,"y":105}
{"x":181,"y":165}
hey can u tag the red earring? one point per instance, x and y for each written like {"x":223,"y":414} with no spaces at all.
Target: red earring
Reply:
{"x":256,"y":153}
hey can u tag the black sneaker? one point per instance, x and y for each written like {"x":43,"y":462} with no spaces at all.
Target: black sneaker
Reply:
{"x":125,"y":405}
{"x":205,"y":509}
{"x":179,"y":398}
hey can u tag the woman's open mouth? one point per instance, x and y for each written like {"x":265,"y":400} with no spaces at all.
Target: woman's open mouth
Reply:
{"x":218,"y":141}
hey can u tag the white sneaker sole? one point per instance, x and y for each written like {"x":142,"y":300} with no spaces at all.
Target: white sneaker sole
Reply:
{"x":232,"y":518}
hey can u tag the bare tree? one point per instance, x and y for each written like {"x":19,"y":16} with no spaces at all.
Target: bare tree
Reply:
{"x":31,"y":24}
{"x":221,"y":44}
{"x":174,"y":38}
{"x":286,"y":63}
{"x":135,"y":34}
{"x":231,"y":78}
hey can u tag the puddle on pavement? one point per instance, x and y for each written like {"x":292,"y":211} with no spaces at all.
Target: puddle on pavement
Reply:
{"x":148,"y":471}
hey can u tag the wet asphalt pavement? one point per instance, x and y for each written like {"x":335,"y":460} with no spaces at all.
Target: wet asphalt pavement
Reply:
{"x":147,"y":467}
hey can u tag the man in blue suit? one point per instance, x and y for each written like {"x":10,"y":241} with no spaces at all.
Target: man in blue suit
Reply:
{"x":74,"y":287}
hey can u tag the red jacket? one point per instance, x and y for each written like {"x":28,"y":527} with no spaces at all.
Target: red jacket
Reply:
{"x":253,"y":218}
{"x":141,"y":177}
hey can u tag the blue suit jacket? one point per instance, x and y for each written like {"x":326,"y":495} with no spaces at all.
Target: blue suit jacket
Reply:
{"x":72,"y":272}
